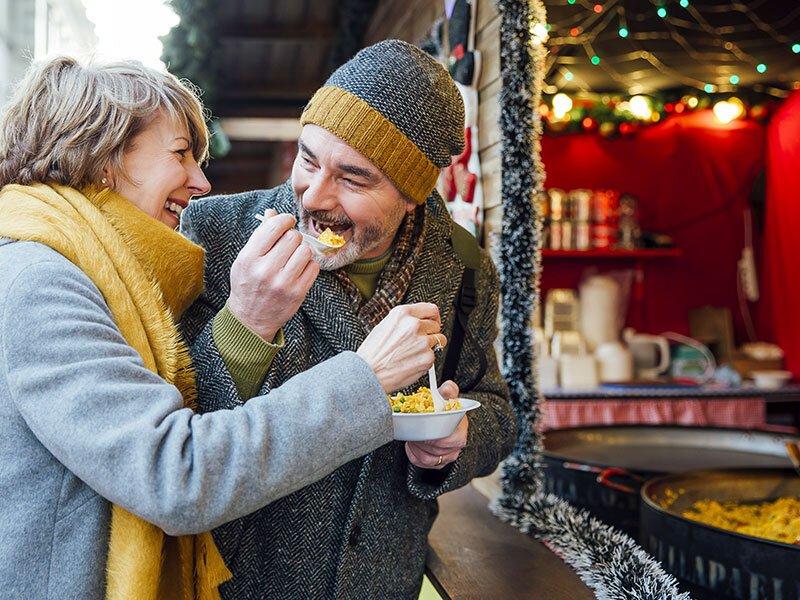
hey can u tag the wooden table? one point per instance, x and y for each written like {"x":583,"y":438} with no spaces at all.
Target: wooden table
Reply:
{"x":472,"y":554}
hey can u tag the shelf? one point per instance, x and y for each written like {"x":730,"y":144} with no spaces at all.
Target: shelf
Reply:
{"x":644,"y":253}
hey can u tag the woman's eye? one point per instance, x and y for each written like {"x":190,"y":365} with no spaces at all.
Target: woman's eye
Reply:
{"x":182,"y":153}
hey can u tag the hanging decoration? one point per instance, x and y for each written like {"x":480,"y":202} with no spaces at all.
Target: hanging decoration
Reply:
{"x":609,"y":562}
{"x":671,"y":57}
{"x":611,"y":115}
{"x":191,"y":52}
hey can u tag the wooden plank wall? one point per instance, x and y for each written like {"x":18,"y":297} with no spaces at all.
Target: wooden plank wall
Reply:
{"x":411,"y":20}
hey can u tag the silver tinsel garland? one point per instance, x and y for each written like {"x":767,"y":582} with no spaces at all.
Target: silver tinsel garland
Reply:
{"x":608,"y":561}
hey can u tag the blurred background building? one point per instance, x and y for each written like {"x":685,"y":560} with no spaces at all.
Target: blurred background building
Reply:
{"x":31,"y":29}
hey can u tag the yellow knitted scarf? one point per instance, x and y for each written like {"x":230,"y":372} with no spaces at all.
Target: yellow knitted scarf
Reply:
{"x":148,"y":275}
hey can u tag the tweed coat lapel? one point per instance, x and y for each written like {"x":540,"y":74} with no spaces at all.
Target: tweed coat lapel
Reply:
{"x":328,"y":322}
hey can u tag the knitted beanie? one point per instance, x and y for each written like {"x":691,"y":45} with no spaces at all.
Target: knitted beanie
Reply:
{"x":398,"y":107}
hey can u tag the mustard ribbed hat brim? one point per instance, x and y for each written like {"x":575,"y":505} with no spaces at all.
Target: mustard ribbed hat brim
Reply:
{"x":366,"y":130}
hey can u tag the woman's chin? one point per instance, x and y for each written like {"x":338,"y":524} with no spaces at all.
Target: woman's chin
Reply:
{"x":169,"y":219}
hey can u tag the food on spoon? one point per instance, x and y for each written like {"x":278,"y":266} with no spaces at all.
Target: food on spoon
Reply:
{"x":420,"y":401}
{"x":331,"y":239}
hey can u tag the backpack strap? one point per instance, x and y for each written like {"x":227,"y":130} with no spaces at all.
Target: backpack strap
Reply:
{"x":467,"y":249}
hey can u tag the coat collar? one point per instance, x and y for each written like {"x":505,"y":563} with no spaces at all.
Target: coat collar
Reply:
{"x":330,"y":308}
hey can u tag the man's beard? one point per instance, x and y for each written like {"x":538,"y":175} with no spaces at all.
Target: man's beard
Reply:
{"x":365,"y":238}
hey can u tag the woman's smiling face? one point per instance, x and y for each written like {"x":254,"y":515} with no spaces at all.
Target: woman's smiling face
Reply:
{"x":162,"y":173}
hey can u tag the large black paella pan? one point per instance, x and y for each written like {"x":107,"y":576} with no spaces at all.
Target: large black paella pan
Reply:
{"x":726,"y":563}
{"x":602,"y":468}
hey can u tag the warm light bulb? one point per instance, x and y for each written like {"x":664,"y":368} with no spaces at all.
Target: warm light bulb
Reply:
{"x":562,"y":104}
{"x":540,"y":33}
{"x":728,"y":110}
{"x":692,"y":102}
{"x":640,"y":107}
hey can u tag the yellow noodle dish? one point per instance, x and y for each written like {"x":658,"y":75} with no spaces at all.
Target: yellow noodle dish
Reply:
{"x":778,"y":520}
{"x":331,"y":239}
{"x":419,"y":402}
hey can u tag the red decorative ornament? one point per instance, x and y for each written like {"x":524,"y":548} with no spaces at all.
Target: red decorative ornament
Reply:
{"x":589,"y":124}
{"x":759,"y":112}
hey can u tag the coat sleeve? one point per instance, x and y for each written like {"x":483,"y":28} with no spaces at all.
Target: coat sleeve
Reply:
{"x":216,"y":387}
{"x":87,"y":397}
{"x":492,"y":427}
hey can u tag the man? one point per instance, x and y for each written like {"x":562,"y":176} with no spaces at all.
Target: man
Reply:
{"x":374,"y":139}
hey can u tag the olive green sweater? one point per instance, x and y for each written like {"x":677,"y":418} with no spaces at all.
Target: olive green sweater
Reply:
{"x":248,"y":356}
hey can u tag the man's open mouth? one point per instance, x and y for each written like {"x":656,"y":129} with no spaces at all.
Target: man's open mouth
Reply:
{"x":342,"y":229}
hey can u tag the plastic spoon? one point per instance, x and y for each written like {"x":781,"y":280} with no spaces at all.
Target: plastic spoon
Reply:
{"x":438,"y":400}
{"x":315,"y":244}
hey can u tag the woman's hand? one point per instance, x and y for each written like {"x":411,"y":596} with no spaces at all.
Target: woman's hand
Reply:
{"x":437,"y":454}
{"x":271,"y":276}
{"x":399,"y":350}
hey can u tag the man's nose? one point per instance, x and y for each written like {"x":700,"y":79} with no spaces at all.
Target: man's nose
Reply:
{"x":319,"y":195}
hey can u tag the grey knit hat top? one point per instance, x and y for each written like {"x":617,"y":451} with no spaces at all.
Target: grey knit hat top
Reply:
{"x":397,"y":106}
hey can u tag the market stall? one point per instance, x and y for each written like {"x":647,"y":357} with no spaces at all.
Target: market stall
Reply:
{"x":628,"y":182}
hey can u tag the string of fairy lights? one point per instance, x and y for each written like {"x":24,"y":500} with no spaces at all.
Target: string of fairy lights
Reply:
{"x":573,"y":41}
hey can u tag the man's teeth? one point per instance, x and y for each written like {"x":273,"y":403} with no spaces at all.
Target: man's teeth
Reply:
{"x":176,"y":208}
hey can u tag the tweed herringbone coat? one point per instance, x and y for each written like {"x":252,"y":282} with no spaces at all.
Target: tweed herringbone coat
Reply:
{"x":361,"y":532}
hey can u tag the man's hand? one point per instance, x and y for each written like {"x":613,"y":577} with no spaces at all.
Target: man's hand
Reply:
{"x":271,"y":276}
{"x":436,"y":454}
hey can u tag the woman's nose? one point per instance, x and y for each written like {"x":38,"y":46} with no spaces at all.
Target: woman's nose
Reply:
{"x":198,"y":183}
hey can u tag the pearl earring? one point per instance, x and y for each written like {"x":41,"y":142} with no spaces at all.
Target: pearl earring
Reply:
{"x":104,"y":181}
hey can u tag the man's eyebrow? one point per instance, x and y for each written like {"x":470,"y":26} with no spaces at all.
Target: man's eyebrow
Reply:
{"x":367,"y":174}
{"x":305,"y":150}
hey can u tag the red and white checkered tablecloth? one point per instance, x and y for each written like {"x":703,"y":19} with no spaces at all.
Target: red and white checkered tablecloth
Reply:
{"x":745,"y":413}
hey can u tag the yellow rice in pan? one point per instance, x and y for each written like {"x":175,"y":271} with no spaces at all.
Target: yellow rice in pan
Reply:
{"x":778,"y":520}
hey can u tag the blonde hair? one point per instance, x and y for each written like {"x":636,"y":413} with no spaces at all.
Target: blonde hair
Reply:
{"x":67,"y":121}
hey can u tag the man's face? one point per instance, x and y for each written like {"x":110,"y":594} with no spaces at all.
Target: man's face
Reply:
{"x":338,"y":187}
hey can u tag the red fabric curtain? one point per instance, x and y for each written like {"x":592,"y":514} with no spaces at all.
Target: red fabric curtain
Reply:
{"x":780,"y":307}
{"x":692,"y":176}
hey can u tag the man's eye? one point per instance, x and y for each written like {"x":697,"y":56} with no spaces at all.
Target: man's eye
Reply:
{"x":182,"y":152}
{"x":352,"y":182}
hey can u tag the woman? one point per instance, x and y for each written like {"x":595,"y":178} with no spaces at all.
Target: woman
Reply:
{"x":100,"y":452}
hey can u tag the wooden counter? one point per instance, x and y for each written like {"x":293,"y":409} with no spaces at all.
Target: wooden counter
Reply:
{"x":473,"y":554}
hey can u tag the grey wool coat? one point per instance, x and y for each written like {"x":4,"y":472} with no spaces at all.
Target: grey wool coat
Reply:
{"x":83,"y":423}
{"x":360,"y":532}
